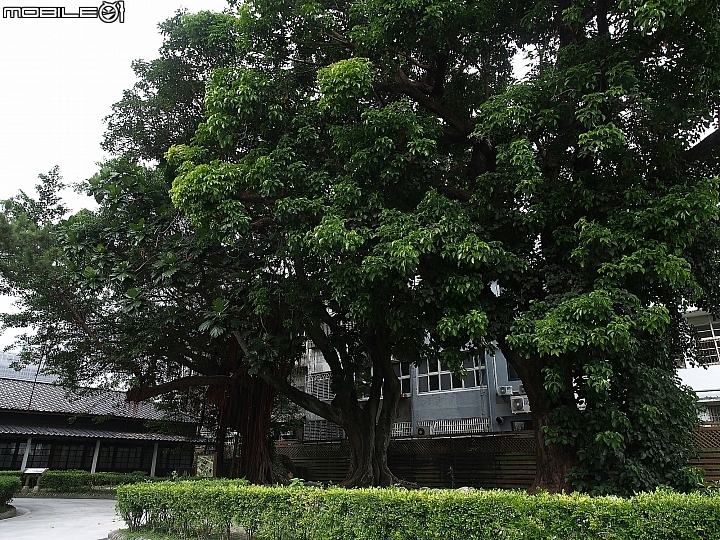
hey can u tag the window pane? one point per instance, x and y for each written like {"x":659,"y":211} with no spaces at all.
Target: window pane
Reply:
{"x":7,"y":453}
{"x":511,"y":373}
{"x":434,"y":383}
{"x":703,"y":331}
{"x":75,"y":454}
{"x":396,"y":369}
{"x":434,"y":366}
{"x":405,"y":369}
{"x":422,"y":384}
{"x":405,"y":386}
{"x":456,"y":383}
{"x":423,"y":368}
{"x":39,"y":455}
{"x":445,"y":381}
{"x":470,"y":379}
{"x":134,"y":457}
{"x":59,"y":459}
{"x":106,"y":456}
{"x":468,"y":363}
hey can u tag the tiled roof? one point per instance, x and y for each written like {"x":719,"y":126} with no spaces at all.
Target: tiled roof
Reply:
{"x":69,"y":431}
{"x":19,"y":395}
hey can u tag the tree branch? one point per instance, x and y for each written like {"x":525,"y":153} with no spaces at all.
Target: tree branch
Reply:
{"x":419,"y":92}
{"x":602,"y":18}
{"x":262,"y":223}
{"x":305,"y":400}
{"x":141,"y":393}
{"x":242,"y":343}
{"x":250,"y":197}
{"x":341,"y":39}
{"x":80,"y":320}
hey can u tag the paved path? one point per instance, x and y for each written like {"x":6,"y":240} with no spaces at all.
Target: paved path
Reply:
{"x":61,"y":519}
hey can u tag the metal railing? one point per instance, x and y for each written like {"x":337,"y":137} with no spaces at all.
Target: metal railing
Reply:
{"x":318,"y":385}
{"x":456,"y":426}
{"x":401,"y":429}
{"x":322,"y":430}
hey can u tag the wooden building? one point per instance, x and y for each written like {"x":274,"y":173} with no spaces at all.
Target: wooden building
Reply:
{"x":42,"y":425}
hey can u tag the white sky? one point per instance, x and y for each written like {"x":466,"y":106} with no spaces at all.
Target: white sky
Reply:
{"x":59,"y":80}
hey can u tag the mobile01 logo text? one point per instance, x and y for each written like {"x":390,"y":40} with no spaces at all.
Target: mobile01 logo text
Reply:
{"x":108,"y":12}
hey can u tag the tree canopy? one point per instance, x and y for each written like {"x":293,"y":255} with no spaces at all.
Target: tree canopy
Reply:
{"x":165,"y":105}
{"x":376,"y":177}
{"x":127,"y":294}
{"x":398,"y":173}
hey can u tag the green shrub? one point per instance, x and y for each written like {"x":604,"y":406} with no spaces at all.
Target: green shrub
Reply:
{"x":290,"y":513}
{"x":17,"y":473}
{"x":73,"y":481}
{"x":66,"y":481}
{"x":9,"y":486}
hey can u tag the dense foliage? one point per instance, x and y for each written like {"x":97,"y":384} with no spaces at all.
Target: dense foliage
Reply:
{"x":128,"y":293}
{"x":405,"y":194}
{"x":78,"y":481}
{"x":379,"y":514}
{"x":375,"y":177}
{"x":9,"y":486}
{"x":165,"y":106}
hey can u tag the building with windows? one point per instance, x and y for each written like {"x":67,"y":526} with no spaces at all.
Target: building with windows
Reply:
{"x":705,"y":378}
{"x":42,"y":425}
{"x":489,"y":398}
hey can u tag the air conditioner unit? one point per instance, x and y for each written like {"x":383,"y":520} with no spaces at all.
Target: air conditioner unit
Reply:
{"x":519,"y":404}
{"x":505,"y":390}
{"x":423,"y":431}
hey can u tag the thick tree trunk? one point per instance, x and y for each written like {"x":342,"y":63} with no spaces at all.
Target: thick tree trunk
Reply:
{"x":369,"y":429}
{"x":368,"y":454}
{"x":247,"y":409}
{"x":245,"y":404}
{"x":255,"y":412}
{"x":553,"y":461}
{"x":222,"y":467}
{"x":367,"y":423}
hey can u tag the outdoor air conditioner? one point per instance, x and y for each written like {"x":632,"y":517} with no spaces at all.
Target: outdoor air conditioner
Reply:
{"x":423,"y":431}
{"x":519,"y":404}
{"x":505,"y":390}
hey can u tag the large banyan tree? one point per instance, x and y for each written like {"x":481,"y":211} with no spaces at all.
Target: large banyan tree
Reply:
{"x":409,"y":190}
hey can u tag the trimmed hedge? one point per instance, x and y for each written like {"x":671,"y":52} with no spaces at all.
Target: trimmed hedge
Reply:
{"x":17,"y":473}
{"x":294,"y":513}
{"x":9,"y":486}
{"x":74,"y":481}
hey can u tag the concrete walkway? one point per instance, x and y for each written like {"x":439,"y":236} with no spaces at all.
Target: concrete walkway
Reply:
{"x":61,"y":519}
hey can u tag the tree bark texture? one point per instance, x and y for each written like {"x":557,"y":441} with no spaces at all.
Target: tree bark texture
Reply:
{"x":553,"y":460}
{"x":247,"y":409}
{"x":367,"y":422}
{"x":369,"y":443}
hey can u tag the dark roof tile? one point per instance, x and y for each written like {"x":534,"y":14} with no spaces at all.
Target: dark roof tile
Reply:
{"x":19,"y":395}
{"x":54,"y":431}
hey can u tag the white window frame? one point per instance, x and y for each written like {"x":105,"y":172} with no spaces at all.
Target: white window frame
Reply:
{"x":402,"y":372}
{"x":478,"y":369}
{"x":709,"y":334}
